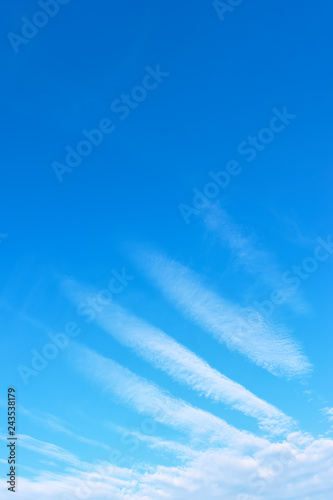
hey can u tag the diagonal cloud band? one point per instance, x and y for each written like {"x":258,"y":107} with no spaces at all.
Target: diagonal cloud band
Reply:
{"x":238,"y":328}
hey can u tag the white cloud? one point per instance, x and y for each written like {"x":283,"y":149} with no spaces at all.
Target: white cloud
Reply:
{"x":243,"y":330}
{"x":280,"y":471}
{"x":186,"y":367}
{"x":254,"y":260}
{"x":150,"y":400}
{"x":48,"y":449}
{"x":58,"y":425}
{"x":329,"y":413}
{"x":154,"y":442}
{"x":243,"y":246}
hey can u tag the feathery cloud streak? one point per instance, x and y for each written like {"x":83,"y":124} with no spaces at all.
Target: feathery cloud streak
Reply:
{"x":148,"y":399}
{"x":240,"y":329}
{"x":182,"y":365}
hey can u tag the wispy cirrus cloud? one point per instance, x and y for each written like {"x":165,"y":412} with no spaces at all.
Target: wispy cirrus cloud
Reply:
{"x":166,"y":354}
{"x":58,"y":425}
{"x":73,"y":464}
{"x":148,"y":399}
{"x":157,"y":443}
{"x":240,"y":329}
{"x":254,"y":260}
{"x":329,"y":413}
{"x":47,"y":449}
{"x":249,"y":256}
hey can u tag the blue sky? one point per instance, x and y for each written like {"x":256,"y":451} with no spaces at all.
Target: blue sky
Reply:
{"x":166,"y":249}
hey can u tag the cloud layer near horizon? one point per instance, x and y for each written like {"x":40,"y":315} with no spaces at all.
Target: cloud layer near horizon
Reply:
{"x":289,"y":470}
